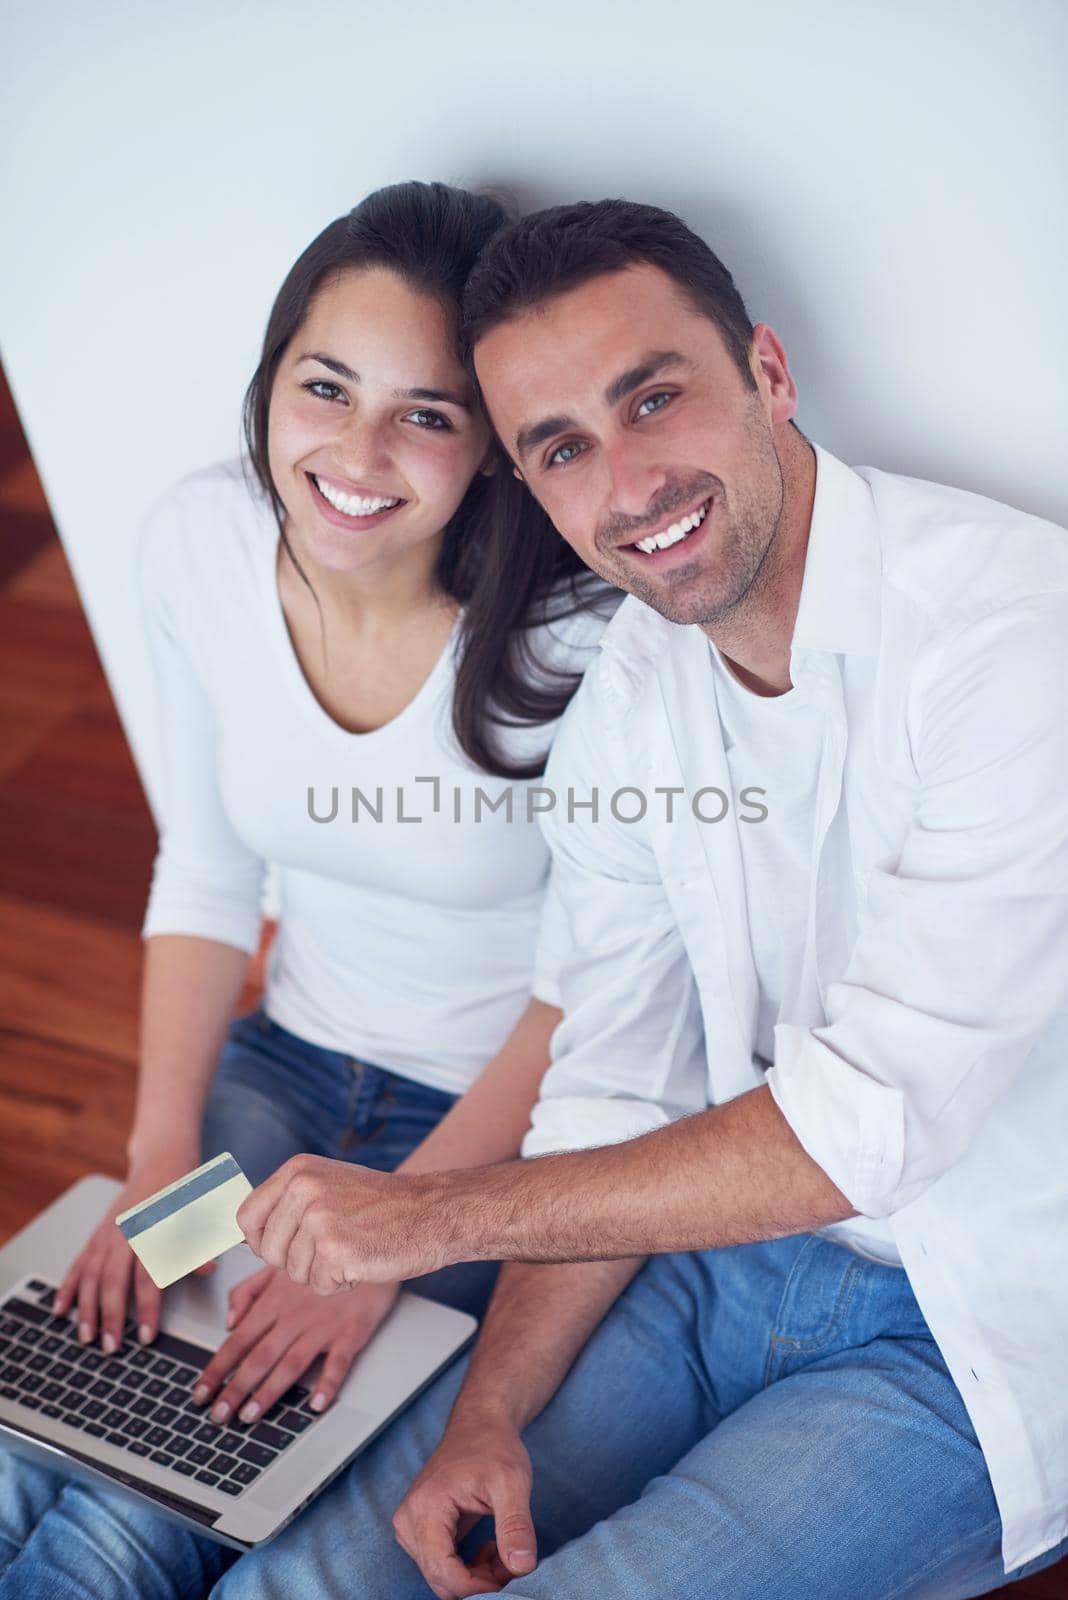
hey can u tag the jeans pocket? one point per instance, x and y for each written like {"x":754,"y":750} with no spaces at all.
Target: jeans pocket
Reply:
{"x":814,"y":1310}
{"x":249,"y":1026}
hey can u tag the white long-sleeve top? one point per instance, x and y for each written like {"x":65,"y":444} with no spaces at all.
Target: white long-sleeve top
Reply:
{"x":921,"y":1056}
{"x":409,"y":943}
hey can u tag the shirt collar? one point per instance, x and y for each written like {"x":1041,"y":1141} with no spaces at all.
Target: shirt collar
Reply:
{"x":841,"y":590}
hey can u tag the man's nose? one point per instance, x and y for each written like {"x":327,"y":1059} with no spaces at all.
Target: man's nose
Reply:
{"x":633,"y":480}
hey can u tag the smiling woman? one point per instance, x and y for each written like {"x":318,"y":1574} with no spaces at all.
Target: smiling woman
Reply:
{"x":372,"y":479}
{"x":353,"y":448}
{"x":324,"y":414}
{"x":319,"y":616}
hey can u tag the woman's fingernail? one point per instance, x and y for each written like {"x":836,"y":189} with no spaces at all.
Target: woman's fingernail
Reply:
{"x":250,"y":1412}
{"x":231,"y":1318}
{"x":317,"y":1401}
{"x":200,"y":1393}
{"x":109,"y":1344}
{"x":220,"y":1412}
{"x":85,"y":1332}
{"x":144,"y":1333}
{"x":522,"y":1557}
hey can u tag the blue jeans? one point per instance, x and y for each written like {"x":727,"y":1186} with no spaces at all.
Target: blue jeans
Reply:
{"x":272,"y":1096}
{"x":772,"y":1420}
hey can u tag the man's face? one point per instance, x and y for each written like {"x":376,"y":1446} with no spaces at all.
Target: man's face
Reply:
{"x":627,"y":418}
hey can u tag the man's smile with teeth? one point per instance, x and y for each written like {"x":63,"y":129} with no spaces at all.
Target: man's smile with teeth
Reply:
{"x":353,"y":505}
{"x":672,"y":535}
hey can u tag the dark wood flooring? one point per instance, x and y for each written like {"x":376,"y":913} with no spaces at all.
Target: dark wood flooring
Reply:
{"x":76,"y":847}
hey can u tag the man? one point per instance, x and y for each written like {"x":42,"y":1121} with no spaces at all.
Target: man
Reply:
{"x":815,"y":1016}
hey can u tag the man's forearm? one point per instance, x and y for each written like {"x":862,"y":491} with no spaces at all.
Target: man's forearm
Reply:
{"x":538,"y":1321}
{"x":726,"y":1176}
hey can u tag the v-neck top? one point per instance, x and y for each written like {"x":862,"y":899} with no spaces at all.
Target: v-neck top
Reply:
{"x":409,"y":906}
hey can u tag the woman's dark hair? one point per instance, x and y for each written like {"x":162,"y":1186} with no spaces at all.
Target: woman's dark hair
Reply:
{"x":430,"y":235}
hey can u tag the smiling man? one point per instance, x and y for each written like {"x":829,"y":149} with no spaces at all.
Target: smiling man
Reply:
{"x":813,"y":1064}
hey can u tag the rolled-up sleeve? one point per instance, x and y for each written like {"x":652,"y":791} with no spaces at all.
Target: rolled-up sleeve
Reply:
{"x":629,"y":1054}
{"x":205,"y":880}
{"x":961,"y":959}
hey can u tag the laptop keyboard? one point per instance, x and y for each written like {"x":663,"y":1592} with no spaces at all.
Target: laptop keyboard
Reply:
{"x":139,"y":1398}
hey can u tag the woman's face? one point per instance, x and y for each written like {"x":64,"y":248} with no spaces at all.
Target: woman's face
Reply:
{"x":373,"y":432}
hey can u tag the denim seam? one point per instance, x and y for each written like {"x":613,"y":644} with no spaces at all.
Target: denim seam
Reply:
{"x":780,"y":1344}
{"x":347,"y":1135}
{"x":21,"y":1551}
{"x":795,"y":1269}
{"x":846,"y":1290}
{"x":942,"y":1558}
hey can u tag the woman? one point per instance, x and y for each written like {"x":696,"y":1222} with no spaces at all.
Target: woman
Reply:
{"x":331,"y":703}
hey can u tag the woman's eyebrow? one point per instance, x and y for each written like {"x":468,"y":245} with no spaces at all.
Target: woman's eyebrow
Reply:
{"x":328,"y":361}
{"x":446,"y":396}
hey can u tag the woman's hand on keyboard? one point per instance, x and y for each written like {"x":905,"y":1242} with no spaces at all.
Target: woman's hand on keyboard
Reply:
{"x":279,"y":1329}
{"x":100,"y":1278}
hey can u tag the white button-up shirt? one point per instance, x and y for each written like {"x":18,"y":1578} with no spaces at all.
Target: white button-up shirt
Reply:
{"x":924,"y":1062}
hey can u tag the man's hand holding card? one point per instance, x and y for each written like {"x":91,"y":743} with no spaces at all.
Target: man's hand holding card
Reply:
{"x":334,"y":1224}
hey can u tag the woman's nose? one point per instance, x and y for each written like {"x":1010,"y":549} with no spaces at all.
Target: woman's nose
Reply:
{"x":362,"y":447}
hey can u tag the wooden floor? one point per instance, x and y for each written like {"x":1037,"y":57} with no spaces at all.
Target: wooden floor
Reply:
{"x":76,"y":848}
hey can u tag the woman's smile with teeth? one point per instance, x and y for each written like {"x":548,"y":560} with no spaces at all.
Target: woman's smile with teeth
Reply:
{"x":353,"y":505}
{"x":672,"y":535}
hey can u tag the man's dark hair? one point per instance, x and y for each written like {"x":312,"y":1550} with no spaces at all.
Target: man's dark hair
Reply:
{"x":551,"y":251}
{"x":528,"y":261}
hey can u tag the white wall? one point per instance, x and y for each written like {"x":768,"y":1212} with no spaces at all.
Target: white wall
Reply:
{"x":886,"y":180}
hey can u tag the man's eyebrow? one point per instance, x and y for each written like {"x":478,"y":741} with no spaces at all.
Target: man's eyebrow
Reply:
{"x":445,"y":396}
{"x":650,"y":366}
{"x":529,"y":438}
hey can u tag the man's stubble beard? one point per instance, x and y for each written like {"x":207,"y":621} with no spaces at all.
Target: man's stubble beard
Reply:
{"x":724,"y":581}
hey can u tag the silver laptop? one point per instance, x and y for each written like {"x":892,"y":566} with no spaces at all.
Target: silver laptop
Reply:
{"x":128,"y":1419}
